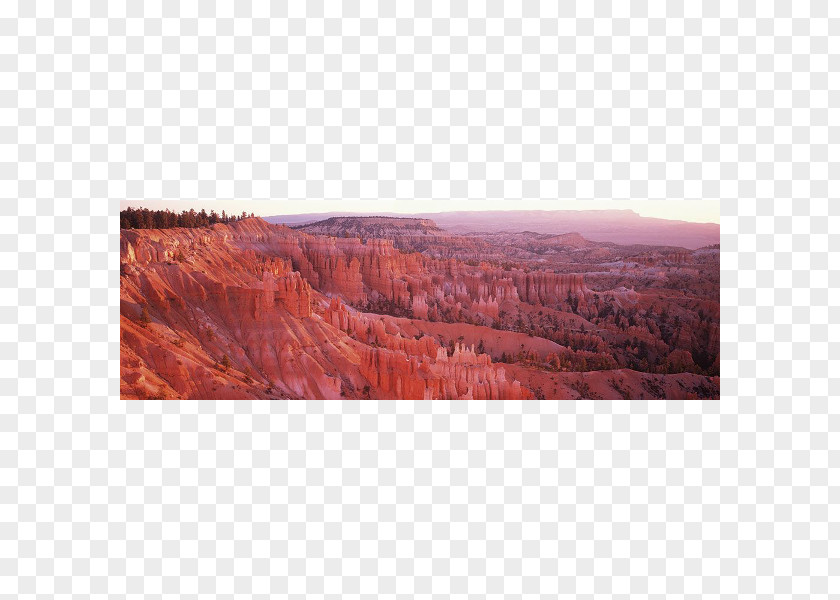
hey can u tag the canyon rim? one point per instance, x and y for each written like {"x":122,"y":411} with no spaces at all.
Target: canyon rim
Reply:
{"x":462,"y":305}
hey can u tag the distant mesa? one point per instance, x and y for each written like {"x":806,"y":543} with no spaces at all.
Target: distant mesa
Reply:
{"x":371,"y":226}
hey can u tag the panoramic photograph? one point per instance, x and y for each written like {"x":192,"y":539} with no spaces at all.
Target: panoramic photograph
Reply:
{"x":276,"y":300}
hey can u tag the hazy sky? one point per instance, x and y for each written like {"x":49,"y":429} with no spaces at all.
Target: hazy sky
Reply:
{"x":704,"y":211}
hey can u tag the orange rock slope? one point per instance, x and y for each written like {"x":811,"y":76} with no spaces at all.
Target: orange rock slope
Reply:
{"x":243,"y":311}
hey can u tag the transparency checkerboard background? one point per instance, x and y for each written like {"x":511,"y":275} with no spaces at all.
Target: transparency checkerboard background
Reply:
{"x":106,"y":101}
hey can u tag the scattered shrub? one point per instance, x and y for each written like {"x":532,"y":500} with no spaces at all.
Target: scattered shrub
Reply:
{"x":144,"y":317}
{"x":622,"y":389}
{"x":584,"y":390}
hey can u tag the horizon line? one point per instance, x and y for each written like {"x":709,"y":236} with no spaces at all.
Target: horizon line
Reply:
{"x":421,"y":215}
{"x":350,"y":213}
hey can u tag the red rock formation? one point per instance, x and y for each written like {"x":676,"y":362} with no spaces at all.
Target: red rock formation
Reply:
{"x":419,"y":307}
{"x":463,"y":376}
{"x":291,"y":290}
{"x":616,"y":384}
{"x":660,"y":258}
{"x":539,"y":287}
{"x":487,"y":307}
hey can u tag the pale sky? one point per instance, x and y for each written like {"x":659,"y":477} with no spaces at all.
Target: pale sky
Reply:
{"x":702,"y":211}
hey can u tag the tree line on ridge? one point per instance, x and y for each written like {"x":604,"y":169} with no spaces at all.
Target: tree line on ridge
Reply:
{"x":143,"y":218}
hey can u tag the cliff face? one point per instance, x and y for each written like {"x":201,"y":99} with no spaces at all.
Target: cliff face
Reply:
{"x":239,"y":311}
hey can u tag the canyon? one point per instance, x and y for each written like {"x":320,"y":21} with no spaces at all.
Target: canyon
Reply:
{"x":383,"y":307}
